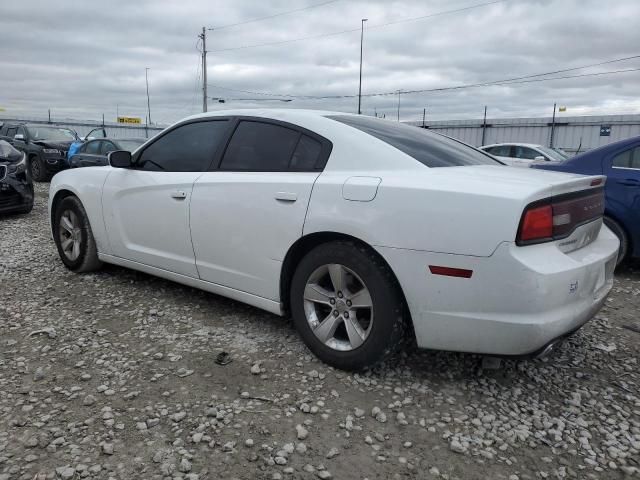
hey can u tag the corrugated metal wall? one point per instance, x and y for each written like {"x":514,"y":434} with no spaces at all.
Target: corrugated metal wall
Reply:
{"x":569,"y":133}
{"x":114,"y":130}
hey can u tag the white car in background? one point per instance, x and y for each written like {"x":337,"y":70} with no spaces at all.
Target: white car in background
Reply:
{"x":364,"y":230}
{"x":524,"y":154}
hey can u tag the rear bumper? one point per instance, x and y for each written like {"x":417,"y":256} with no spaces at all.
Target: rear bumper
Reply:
{"x":517,"y":301}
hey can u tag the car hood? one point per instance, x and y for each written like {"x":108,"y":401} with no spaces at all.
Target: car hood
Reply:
{"x":51,"y":144}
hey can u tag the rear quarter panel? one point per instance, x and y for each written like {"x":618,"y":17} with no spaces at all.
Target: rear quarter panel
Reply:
{"x":437,"y":211}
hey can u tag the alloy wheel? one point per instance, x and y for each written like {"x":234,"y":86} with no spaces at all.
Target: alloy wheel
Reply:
{"x":338,"y":307}
{"x":70,"y":234}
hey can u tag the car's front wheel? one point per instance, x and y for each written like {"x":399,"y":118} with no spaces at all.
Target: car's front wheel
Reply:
{"x":37,"y":169}
{"x":347,"y":306}
{"x":73,"y":236}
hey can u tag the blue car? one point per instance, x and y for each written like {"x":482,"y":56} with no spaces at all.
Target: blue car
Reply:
{"x":620,"y":162}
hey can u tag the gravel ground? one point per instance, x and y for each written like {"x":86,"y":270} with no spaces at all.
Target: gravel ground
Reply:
{"x":112,"y":375}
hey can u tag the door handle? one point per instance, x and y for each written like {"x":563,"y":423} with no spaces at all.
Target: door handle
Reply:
{"x":286,"y":196}
{"x":632,"y":182}
{"x":179,"y":195}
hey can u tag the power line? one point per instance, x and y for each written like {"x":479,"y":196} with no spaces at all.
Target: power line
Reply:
{"x":330,"y":34}
{"x":441,"y":89}
{"x":505,"y":81}
{"x":316,"y":5}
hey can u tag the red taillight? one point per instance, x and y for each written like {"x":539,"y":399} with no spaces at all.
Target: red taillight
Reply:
{"x":537,"y":224}
{"x":557,"y":217}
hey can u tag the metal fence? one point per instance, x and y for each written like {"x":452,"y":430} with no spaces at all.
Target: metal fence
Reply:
{"x":572,"y":134}
{"x":83,"y":127}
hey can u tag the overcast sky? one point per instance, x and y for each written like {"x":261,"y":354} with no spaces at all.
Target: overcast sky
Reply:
{"x":84,"y":59}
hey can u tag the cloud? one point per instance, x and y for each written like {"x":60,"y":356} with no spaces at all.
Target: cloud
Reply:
{"x":82,"y":60}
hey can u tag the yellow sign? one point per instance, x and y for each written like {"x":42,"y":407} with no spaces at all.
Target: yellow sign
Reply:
{"x":562,"y":109}
{"x":136,"y":120}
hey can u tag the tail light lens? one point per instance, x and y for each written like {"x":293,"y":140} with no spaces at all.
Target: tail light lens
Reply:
{"x":537,"y":224}
{"x":557,"y":217}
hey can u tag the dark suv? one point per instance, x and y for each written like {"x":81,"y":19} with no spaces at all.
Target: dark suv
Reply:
{"x":45,"y":146}
{"x":16,"y":189}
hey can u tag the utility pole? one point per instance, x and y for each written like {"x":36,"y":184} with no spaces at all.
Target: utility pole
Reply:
{"x":360,"y":83}
{"x":146,"y":76}
{"x":553,"y":126}
{"x":398,"y":105}
{"x":203,"y":37}
{"x":424,"y":116}
{"x":484,"y":125}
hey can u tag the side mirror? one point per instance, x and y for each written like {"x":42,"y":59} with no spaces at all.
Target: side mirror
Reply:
{"x":19,"y":136}
{"x":120,"y":159}
{"x":539,"y":158}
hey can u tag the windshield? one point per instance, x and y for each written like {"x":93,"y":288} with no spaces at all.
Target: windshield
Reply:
{"x":131,"y":145}
{"x":430,"y":149}
{"x":554,"y":153}
{"x":52,"y":133}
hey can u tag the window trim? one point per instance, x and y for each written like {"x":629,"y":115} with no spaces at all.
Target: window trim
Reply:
{"x":326,"y":146}
{"x":215,"y":157}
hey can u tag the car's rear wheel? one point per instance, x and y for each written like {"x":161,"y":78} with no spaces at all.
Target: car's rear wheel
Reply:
{"x":347,"y":306}
{"x":73,"y":236}
{"x":37,"y":169}
{"x":619,"y":231}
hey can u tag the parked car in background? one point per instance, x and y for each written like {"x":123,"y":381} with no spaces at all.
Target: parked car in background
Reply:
{"x":94,"y":152}
{"x":363,"y":229}
{"x":524,"y":154}
{"x":16,"y":187}
{"x":45,"y":146}
{"x":98,"y":132}
{"x":620,"y":162}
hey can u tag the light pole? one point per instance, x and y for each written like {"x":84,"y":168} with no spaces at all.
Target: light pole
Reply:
{"x":360,"y":83}
{"x":146,"y":77}
{"x":399,"y":91}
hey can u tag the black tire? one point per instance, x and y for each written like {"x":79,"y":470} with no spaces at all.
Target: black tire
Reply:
{"x":87,"y":260}
{"x":37,"y":169}
{"x":26,"y":209}
{"x":619,"y":231}
{"x":388,"y":326}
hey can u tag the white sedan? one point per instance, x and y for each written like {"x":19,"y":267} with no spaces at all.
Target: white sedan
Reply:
{"x":524,"y":154}
{"x":364,"y":230}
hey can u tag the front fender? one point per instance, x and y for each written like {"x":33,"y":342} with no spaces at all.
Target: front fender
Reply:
{"x":86,"y":184}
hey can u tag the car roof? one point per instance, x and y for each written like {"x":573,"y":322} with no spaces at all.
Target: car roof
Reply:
{"x":119,"y":139}
{"x":517,"y":144}
{"x":274,"y":113}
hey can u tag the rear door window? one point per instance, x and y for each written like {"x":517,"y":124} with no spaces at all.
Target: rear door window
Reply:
{"x":306,"y":154}
{"x":623,"y":160}
{"x":526,"y":153}
{"x":261,"y":147}
{"x":501,"y":150}
{"x":107,"y":147}
{"x":430,"y":149}
{"x":93,"y":148}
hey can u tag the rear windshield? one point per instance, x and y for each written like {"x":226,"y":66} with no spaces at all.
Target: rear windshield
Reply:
{"x":430,"y":149}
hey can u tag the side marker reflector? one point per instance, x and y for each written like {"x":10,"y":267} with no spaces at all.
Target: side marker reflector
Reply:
{"x":450,"y":271}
